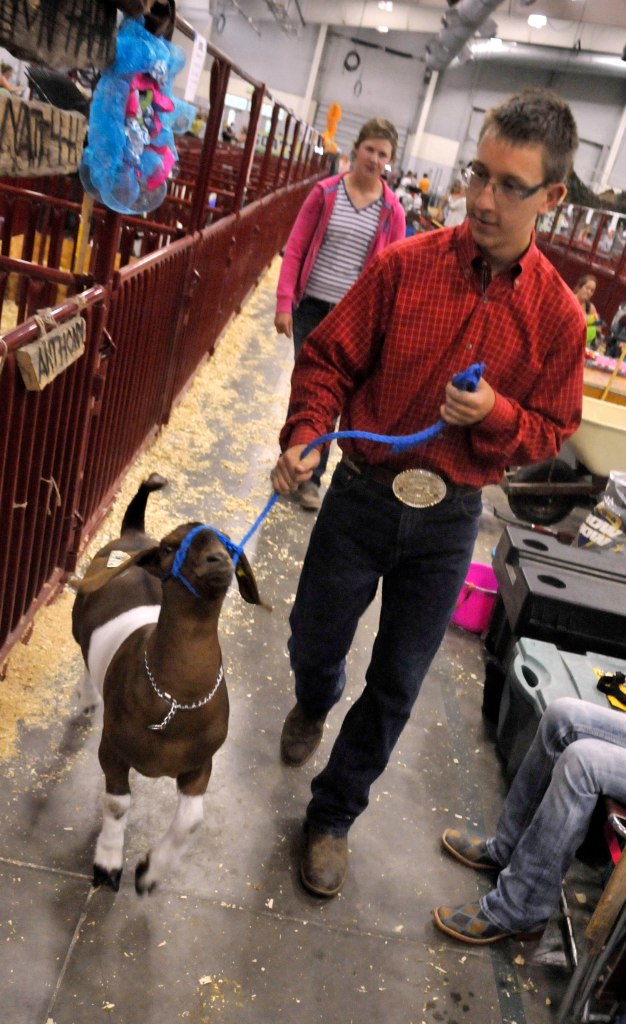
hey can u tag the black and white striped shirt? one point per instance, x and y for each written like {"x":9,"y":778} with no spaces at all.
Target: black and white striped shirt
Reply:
{"x":349,"y":235}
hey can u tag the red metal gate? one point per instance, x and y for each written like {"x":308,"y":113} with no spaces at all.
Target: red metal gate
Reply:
{"x":168,"y":287}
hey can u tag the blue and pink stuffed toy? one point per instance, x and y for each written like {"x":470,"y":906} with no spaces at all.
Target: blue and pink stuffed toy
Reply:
{"x":133,"y":120}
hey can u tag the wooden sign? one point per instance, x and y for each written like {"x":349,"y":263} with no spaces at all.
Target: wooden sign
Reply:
{"x":60,"y":33}
{"x":36,"y":138}
{"x":43,"y":360}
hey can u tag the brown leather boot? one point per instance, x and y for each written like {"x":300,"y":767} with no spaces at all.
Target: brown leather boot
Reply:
{"x":300,"y":737}
{"x":324,"y":865}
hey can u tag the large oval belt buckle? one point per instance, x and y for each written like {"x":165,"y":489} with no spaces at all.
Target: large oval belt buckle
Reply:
{"x":419,"y":488}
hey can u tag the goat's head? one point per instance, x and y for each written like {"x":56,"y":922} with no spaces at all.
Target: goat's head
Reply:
{"x":197,"y":557}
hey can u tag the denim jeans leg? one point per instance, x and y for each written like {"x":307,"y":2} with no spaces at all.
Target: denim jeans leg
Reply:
{"x":579,"y":753}
{"x":335,"y":587}
{"x":423,"y":561}
{"x":306,"y":317}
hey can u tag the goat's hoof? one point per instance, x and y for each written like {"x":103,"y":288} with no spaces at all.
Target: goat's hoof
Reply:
{"x":141,"y":887}
{"x":103,"y":877}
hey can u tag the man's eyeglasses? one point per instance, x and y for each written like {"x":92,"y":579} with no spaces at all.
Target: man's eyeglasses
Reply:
{"x":476,"y":180}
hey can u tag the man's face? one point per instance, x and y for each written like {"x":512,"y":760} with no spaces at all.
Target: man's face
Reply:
{"x":501,"y":225}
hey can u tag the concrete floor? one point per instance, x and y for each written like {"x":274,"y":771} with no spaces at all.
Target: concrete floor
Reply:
{"x":232,"y":937}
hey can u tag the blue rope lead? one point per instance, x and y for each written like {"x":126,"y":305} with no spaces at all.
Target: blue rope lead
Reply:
{"x":257,"y":522}
{"x":466,"y":380}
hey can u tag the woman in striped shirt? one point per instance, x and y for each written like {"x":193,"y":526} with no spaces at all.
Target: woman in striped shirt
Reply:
{"x":345,"y":221}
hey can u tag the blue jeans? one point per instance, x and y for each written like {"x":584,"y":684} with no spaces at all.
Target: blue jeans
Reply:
{"x":579,"y":753}
{"x":362,"y":534}
{"x":306,"y":316}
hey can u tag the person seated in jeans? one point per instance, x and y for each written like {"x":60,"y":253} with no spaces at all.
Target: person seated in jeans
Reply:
{"x":578,"y":754}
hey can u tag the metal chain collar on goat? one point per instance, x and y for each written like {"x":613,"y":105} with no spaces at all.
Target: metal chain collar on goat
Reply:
{"x":172,"y":700}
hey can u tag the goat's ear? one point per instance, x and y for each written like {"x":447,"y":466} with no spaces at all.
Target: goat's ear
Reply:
{"x":247,"y":583}
{"x":150,"y":560}
{"x":106,"y":567}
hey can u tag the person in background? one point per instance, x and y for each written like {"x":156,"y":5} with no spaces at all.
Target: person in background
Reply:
{"x":6,"y":75}
{"x":410,"y":198}
{"x":412,"y":205}
{"x":584,"y":290}
{"x":453,"y":209}
{"x":424,"y":187}
{"x":197,"y":127}
{"x":345,"y":221}
{"x":578,"y":754}
{"x":384,"y":360}
{"x":228,"y":135}
{"x":396,"y":178}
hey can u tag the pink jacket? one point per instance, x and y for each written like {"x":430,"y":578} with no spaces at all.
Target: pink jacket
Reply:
{"x":309,"y":229}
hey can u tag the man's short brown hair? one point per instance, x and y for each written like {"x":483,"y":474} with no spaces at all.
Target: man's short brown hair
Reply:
{"x":537,"y":116}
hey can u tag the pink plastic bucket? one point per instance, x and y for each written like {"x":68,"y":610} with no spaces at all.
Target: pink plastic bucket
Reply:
{"x":476,"y":600}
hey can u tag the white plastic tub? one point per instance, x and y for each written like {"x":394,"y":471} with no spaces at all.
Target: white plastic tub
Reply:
{"x":600,"y":441}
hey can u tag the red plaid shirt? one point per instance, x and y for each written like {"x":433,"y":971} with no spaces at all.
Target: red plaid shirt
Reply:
{"x":425,"y":309}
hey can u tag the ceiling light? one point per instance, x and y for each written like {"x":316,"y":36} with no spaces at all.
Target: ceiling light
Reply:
{"x":383,"y":28}
{"x":385,"y":5}
{"x":537,"y":20}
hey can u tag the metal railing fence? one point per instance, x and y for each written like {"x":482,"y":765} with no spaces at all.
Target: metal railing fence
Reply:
{"x":42,"y":447}
{"x":155,"y":293}
{"x":65,"y":450}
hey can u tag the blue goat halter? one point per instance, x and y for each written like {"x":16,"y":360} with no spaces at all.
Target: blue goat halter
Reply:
{"x":234,"y":550}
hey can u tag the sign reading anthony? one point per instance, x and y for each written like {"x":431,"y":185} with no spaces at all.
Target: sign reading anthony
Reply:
{"x":36,"y":138}
{"x":43,"y":360}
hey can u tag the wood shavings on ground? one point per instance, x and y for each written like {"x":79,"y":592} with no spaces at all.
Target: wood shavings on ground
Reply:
{"x":35,"y":691}
{"x":8,"y":315}
{"x":198,"y":437}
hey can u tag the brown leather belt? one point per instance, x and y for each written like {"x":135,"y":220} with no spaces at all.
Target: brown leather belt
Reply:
{"x":386,"y":476}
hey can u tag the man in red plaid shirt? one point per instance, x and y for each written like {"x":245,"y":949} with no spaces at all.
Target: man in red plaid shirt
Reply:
{"x":383,"y":361}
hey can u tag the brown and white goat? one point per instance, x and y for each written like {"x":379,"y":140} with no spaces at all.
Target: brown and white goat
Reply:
{"x":150,"y":644}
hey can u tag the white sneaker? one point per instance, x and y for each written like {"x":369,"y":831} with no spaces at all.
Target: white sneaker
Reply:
{"x":309,"y":495}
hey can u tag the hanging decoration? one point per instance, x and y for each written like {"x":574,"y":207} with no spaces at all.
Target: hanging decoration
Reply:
{"x":133,"y":120}
{"x":333,"y":117}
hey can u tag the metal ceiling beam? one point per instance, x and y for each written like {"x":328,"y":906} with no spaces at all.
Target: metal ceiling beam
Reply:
{"x":574,"y":61}
{"x":280,"y":9}
{"x":459,"y":25}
